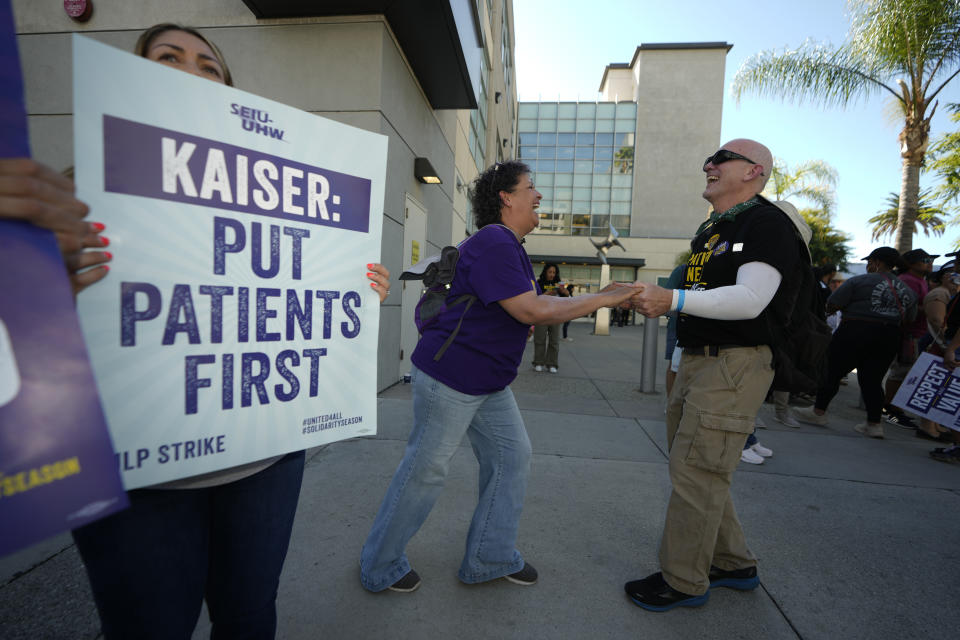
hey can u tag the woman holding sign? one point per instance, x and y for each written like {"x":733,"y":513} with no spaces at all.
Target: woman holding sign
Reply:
{"x":464,"y":389}
{"x":220,"y":537}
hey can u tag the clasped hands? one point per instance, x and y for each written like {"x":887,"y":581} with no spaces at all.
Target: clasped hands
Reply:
{"x":648,"y":299}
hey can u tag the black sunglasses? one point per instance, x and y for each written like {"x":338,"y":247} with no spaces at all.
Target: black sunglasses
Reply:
{"x":722,"y":156}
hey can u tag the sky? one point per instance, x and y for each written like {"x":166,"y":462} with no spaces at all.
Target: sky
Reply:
{"x":561,"y":54}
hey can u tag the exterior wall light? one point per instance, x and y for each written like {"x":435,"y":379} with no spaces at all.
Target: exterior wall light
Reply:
{"x":425,"y":172}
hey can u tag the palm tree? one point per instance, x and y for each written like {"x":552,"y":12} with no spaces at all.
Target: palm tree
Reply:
{"x":909,"y":48}
{"x":928,"y":217}
{"x":814,"y":181}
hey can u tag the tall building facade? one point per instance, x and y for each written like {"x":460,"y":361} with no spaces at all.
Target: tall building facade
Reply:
{"x":436,"y":77}
{"x":632,"y":160}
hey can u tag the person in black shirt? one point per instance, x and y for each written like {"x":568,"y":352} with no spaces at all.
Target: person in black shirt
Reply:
{"x":737,"y":286}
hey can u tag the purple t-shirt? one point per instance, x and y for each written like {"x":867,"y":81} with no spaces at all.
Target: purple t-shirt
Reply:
{"x":485,"y":355}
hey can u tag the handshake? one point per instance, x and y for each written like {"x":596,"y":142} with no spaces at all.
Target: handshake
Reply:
{"x":648,"y":299}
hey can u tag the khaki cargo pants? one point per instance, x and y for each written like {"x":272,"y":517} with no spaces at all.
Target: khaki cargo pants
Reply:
{"x":710,"y":413}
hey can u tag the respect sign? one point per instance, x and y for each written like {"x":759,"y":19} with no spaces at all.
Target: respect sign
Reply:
{"x":931,"y":390}
{"x":237,"y":322}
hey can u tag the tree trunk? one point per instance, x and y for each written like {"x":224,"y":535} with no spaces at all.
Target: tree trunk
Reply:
{"x":909,"y":196}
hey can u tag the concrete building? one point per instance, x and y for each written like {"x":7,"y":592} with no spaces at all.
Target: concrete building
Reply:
{"x":436,"y":77}
{"x":632,"y":159}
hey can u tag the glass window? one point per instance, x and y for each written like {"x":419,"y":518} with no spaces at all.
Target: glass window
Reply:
{"x":586,"y":110}
{"x":527,"y":110}
{"x":621,"y":221}
{"x":561,"y":207}
{"x":623,"y":139}
{"x":545,"y":165}
{"x":585,"y":125}
{"x":528,"y":138}
{"x":601,"y":193}
{"x":601,"y":181}
{"x":583,"y":166}
{"x":564,"y":179}
{"x":548,"y":138}
{"x":581,"y":221}
{"x":581,"y":193}
{"x":604,"y":139}
{"x":530,"y":163}
{"x":544,"y":179}
{"x":622,"y":274}
{"x":585,"y":140}
{"x":526,"y":124}
{"x":602,"y":166}
{"x":545,"y":152}
{"x":546,"y":192}
{"x":601,"y":223}
{"x":605,"y":126}
{"x":626,"y":125}
{"x":566,"y":125}
{"x":548,"y":110}
{"x":619,"y":194}
{"x":580,"y":231}
{"x":600,"y":207}
{"x":582,"y":180}
{"x":584,"y":153}
{"x":567,"y":139}
{"x":621,"y":180}
{"x":581,"y":206}
{"x":606,"y":110}
{"x":563,"y":193}
{"x":604,"y":153}
{"x":620,"y":208}
{"x":527,"y":152}
{"x":565,"y":153}
{"x":567,"y":110}
{"x":627,"y":109}
{"x":565,"y":166}
{"x":548,"y":124}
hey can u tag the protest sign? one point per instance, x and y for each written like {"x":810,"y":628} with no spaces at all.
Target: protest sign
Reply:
{"x":237,"y":322}
{"x":932,"y":391}
{"x":57,"y":469}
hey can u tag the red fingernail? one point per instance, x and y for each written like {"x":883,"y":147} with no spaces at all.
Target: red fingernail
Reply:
{"x":369,"y":275}
{"x":373,"y":284}
{"x":370,"y":266}
{"x":106,"y":267}
{"x":98,"y":226}
{"x":108,"y":254}
{"x":104,"y":241}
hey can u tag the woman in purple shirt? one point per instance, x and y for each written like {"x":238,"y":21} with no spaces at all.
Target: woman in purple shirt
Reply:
{"x":465,"y":389}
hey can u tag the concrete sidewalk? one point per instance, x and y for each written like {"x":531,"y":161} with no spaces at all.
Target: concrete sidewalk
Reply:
{"x":855,"y":537}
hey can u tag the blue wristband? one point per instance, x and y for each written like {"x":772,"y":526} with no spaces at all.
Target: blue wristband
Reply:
{"x":680,"y":299}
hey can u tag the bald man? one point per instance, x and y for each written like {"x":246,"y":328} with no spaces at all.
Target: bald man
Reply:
{"x":737,"y":286}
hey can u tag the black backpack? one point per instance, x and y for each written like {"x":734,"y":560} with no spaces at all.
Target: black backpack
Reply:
{"x":800,"y":345}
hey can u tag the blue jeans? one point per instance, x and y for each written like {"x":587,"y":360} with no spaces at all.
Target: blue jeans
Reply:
{"x":152,"y":565}
{"x":499,"y":439}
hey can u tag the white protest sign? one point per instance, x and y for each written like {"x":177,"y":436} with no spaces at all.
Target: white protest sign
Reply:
{"x":932,"y":391}
{"x":237,"y":322}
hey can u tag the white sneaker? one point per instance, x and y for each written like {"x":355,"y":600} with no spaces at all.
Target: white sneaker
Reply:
{"x":762,"y":450}
{"x":787,"y":419}
{"x":867,"y":429}
{"x":806,"y":414}
{"x":567,"y":339}
{"x":538,"y":368}
{"x":751,"y":456}
{"x":553,"y":369}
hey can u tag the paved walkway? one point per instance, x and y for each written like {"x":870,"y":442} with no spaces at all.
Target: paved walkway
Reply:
{"x":856,"y":538}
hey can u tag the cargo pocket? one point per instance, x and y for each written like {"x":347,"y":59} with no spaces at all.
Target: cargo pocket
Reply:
{"x":719,"y":441}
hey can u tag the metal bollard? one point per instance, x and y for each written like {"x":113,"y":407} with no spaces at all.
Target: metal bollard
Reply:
{"x":648,"y":360}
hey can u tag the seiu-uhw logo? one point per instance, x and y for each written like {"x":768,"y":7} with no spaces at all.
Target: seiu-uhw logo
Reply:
{"x":257,"y":121}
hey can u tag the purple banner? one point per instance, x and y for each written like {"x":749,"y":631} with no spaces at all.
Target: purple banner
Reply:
{"x":57,"y":467}
{"x":148,"y":161}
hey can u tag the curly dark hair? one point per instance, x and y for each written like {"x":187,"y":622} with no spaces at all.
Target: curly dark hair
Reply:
{"x":485,"y":190}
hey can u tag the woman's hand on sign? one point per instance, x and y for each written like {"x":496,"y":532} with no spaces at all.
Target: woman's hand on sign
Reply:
{"x":87,"y":267}
{"x":950,"y":359}
{"x":380,"y":277}
{"x":37,"y":194}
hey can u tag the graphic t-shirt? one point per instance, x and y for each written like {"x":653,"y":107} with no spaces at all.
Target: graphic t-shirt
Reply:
{"x":486,"y":352}
{"x":871,"y":296}
{"x":762,"y":233}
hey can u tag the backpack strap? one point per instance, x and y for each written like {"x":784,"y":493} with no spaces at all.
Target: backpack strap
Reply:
{"x":469,"y":299}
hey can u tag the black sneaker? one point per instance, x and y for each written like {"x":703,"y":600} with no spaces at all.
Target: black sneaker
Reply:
{"x":654,"y":594}
{"x":893,"y":415}
{"x":946,"y":454}
{"x":406,"y":584}
{"x":742,"y":579}
{"x":526,"y":576}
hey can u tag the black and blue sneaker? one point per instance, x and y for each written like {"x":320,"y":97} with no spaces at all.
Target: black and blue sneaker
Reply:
{"x":654,"y":594}
{"x":741,"y":579}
